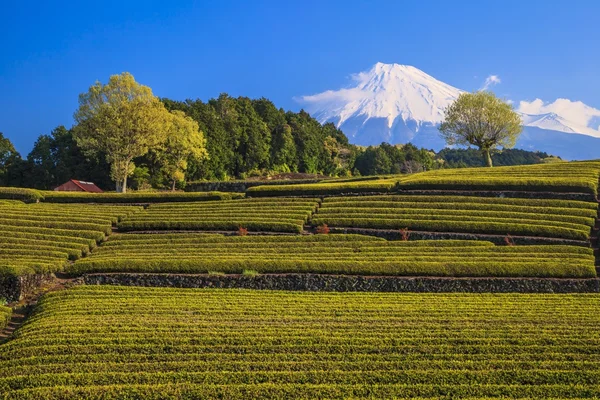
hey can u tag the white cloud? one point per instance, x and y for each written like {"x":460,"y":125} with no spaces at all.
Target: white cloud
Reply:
{"x":490,"y":81}
{"x":574,"y":111}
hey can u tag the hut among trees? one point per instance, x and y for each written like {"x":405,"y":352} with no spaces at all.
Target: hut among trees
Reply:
{"x":78,"y":186}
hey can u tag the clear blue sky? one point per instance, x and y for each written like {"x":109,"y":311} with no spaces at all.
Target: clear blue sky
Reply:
{"x":54,"y":50}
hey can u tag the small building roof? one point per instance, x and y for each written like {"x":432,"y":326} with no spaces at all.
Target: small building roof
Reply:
{"x":89,"y":187}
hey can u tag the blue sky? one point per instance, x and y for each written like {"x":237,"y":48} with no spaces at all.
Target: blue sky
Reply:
{"x":52,"y":51}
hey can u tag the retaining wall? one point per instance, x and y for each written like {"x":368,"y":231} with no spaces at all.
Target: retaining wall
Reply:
{"x":344,"y":283}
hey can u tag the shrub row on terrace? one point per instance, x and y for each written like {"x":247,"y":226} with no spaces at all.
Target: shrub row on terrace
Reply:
{"x":332,"y":254}
{"x":5,"y":315}
{"x":41,"y":238}
{"x":277,"y":215}
{"x":566,"y":219}
{"x":112,"y":342}
{"x":580,"y":177}
{"x":33,"y":196}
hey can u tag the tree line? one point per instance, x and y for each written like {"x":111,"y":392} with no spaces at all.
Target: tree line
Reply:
{"x":124,"y":135}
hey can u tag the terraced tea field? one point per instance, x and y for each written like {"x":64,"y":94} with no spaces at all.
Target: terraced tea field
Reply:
{"x":116,"y":343}
{"x":560,"y":177}
{"x":578,"y":177}
{"x":39,"y":238}
{"x":332,"y":254}
{"x":5,"y":314}
{"x":529,"y":217}
{"x":270,"y":215}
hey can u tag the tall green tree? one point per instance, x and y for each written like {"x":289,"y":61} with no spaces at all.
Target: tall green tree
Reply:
{"x":9,"y":158}
{"x":184,"y":141}
{"x":254,"y":143}
{"x":481,"y":119}
{"x":123,"y":120}
{"x":283,"y":149}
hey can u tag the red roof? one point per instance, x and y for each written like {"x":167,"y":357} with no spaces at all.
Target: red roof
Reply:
{"x":75,"y":185}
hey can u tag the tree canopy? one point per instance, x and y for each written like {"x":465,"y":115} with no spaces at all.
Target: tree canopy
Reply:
{"x":123,"y":120}
{"x":481,"y":119}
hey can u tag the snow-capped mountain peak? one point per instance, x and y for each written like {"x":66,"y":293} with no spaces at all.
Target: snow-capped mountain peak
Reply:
{"x":386,"y":91}
{"x":399,"y":103}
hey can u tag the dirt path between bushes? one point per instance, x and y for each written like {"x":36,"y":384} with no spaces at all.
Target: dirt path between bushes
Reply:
{"x":23,"y":308}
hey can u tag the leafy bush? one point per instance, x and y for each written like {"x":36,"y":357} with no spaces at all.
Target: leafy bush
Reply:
{"x":531,"y":217}
{"x":135,"y":197}
{"x":26,"y":195}
{"x":342,"y":254}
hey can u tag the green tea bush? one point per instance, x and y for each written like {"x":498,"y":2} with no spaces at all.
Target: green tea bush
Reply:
{"x":332,"y":254}
{"x":136,"y":197}
{"x":106,"y":342}
{"x":465,"y":214}
{"x":26,"y":195}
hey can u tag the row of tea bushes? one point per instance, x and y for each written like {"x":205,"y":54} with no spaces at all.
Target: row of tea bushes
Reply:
{"x":34,"y":196}
{"x":22,"y":194}
{"x":579,"y":177}
{"x":5,"y":315}
{"x":383,"y":185}
{"x":331,"y":254}
{"x":104,"y":342}
{"x":568,"y":219}
{"x":41,"y":238}
{"x":557,"y":177}
{"x":259,"y":215}
{"x":136,"y":197}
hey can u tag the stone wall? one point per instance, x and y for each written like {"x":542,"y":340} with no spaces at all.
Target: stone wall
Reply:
{"x":344,"y":283}
{"x":15,"y":288}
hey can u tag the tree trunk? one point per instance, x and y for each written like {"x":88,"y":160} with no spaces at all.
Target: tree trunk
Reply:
{"x":118,"y":187}
{"x":173,"y":187}
{"x":124,"y":188}
{"x":488,"y":157}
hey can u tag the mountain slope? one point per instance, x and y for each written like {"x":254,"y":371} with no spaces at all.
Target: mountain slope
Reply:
{"x":398,"y":103}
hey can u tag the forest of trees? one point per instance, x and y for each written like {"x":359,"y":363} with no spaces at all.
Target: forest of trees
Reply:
{"x":244,"y":137}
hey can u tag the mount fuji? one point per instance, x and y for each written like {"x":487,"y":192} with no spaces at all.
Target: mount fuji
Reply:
{"x":399,"y":103}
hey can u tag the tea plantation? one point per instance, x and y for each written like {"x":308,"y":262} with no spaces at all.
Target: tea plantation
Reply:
{"x":149,"y":343}
{"x":61,"y":338}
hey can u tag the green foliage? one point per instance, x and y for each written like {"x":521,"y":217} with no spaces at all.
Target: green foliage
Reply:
{"x":579,"y":177}
{"x":461,"y":158}
{"x":324,"y":188}
{"x":530,"y":217}
{"x":244,"y":135}
{"x":398,"y":159}
{"x":123,"y":120}
{"x":5,"y":315}
{"x":106,"y":342}
{"x":136,"y":197}
{"x":333,"y":254}
{"x":41,"y":238}
{"x":9,"y":158}
{"x":483,"y":120}
{"x":270,"y":215}
{"x":26,"y":195}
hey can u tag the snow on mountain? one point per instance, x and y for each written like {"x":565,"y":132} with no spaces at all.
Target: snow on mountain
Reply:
{"x":397,"y":99}
{"x":562,"y":115}
{"x":400,"y":103}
